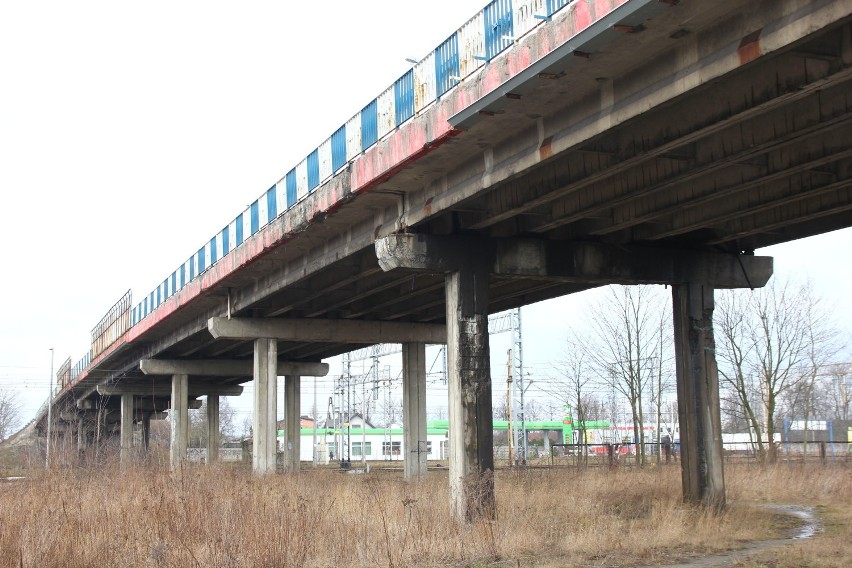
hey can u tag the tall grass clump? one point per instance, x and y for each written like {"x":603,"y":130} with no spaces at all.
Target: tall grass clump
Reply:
{"x":224,"y":516}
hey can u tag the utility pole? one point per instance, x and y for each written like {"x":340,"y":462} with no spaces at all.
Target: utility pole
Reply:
{"x":49,"y":412}
{"x":509,"y":403}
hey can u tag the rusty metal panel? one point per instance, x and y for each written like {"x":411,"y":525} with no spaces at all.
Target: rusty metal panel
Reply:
{"x":386,"y":110}
{"x":353,"y":137}
{"x":325,"y":169}
{"x":302,"y":179}
{"x":424,"y":83}
{"x":63,"y":375}
{"x":527,"y":15}
{"x":80,"y":365}
{"x":112,"y":325}
{"x":471,"y":45}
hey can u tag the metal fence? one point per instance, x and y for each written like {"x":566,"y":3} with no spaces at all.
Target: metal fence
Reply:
{"x":613,"y":455}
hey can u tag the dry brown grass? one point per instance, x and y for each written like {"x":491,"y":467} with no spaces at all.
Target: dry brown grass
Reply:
{"x":221,"y":516}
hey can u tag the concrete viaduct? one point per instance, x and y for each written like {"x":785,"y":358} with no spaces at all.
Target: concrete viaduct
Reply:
{"x":632,"y":141}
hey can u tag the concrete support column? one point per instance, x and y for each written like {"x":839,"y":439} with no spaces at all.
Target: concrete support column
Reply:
{"x":180,"y":421}
{"x":265,"y":405}
{"x":212,"y":428}
{"x":146,"y":431}
{"x":546,"y":441}
{"x":126,"y":428}
{"x":292,"y":422}
{"x":414,"y":409}
{"x":81,"y":434}
{"x":698,"y":395}
{"x":471,"y":455}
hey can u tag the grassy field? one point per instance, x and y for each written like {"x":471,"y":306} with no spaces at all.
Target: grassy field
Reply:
{"x":224,"y":516}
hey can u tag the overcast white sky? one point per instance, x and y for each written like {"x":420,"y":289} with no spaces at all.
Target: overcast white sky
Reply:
{"x":131,"y":132}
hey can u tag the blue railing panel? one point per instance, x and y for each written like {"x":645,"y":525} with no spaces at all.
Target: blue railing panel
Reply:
{"x":338,"y":148}
{"x":213,"y":251}
{"x":447,"y":64}
{"x":403,"y":91}
{"x":555,"y":5}
{"x":226,"y":233}
{"x":313,"y":170}
{"x":271,"y":204}
{"x":255,"y":217}
{"x":239,"y":227}
{"x":292,"y":196}
{"x":369,"y":125}
{"x":498,"y":27}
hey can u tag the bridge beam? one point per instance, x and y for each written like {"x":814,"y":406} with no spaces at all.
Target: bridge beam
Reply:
{"x":226,"y":367}
{"x":702,"y":470}
{"x":146,"y":388}
{"x":576,"y":262}
{"x":292,"y":422}
{"x":327,"y":330}
{"x":414,"y":409}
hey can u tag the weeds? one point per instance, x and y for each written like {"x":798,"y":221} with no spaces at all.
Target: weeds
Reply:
{"x":220,"y":516}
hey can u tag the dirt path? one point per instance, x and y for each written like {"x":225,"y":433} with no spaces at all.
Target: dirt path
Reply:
{"x":808,"y":529}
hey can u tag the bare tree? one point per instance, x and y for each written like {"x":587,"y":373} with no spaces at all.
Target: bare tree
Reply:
{"x":10,"y":413}
{"x":772,"y":341}
{"x":626,"y":347}
{"x":571,"y":381}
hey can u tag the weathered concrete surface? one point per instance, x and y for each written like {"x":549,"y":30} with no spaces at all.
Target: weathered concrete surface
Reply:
{"x":226,"y":368}
{"x":160,"y":389}
{"x":471,"y":457}
{"x":292,"y":422}
{"x":702,"y":466}
{"x":213,"y":434}
{"x":587,"y":263}
{"x":126,"y":428}
{"x":264,"y":434}
{"x":414,"y":409}
{"x":325,"y":330}
{"x":180,"y":421}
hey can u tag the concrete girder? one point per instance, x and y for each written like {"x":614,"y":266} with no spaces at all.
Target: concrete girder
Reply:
{"x":226,"y":368}
{"x":579,"y":262}
{"x":164,"y":389}
{"x":326,"y":330}
{"x":148,"y":402}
